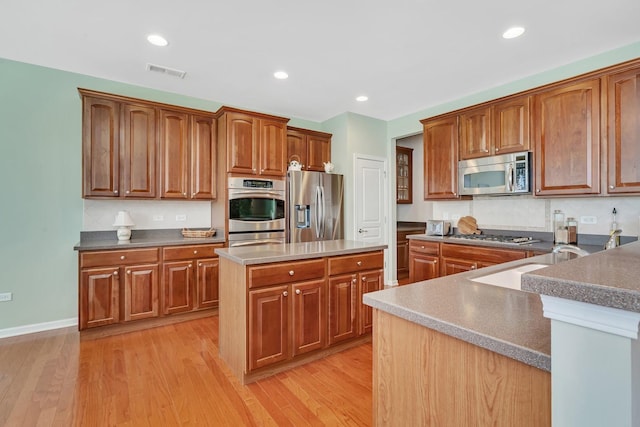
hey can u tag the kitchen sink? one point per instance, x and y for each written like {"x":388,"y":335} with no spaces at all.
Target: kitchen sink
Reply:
{"x":508,"y":278}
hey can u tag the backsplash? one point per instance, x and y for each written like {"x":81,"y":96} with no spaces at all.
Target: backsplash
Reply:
{"x":153,"y":214}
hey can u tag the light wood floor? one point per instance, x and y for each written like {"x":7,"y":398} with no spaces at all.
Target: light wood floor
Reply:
{"x":171,"y":376}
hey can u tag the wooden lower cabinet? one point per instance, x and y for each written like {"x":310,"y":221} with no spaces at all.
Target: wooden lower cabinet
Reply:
{"x":117,"y":286}
{"x":273,"y":316}
{"x":460,"y":258}
{"x":424,"y":260}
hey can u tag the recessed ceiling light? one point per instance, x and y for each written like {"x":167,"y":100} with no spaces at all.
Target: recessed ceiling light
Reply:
{"x":157,"y":40}
{"x":513,"y":32}
{"x":281,"y":75}
{"x":362,"y":98}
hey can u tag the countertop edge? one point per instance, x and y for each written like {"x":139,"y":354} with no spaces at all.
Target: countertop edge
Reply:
{"x":513,"y":351}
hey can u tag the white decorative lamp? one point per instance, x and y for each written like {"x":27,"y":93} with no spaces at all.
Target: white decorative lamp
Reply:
{"x":123,"y":222}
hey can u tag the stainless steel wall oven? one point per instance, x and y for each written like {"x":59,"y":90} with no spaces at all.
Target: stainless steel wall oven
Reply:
{"x":256,"y":211}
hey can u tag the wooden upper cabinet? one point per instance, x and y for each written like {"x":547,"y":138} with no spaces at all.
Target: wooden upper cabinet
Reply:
{"x":475,"y":133}
{"x":174,"y":147}
{"x":139,"y":151}
{"x":511,"y":125}
{"x":567,"y":139}
{"x":255,"y":142}
{"x":404,"y":175}
{"x":312,"y":149}
{"x":623,"y":132}
{"x":440,"y":158}
{"x":272,"y":147}
{"x":203,"y":158}
{"x":100,"y":147}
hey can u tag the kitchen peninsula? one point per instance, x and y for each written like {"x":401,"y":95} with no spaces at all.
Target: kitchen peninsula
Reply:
{"x":286,"y":304}
{"x":452,"y":351}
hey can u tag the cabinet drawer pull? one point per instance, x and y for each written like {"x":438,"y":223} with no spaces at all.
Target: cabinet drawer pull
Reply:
{"x":359,"y":263}
{"x":298,"y":292}
{"x":291,"y":273}
{"x":285,"y":294}
{"x":122,"y":256}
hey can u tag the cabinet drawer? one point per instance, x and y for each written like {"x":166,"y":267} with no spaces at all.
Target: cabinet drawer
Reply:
{"x":354,"y":263}
{"x":481,"y":253}
{"x":108,"y":258}
{"x":422,"y":247}
{"x":274,"y":274}
{"x":179,"y":253}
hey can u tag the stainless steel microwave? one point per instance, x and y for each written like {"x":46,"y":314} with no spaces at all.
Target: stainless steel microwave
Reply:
{"x":496,"y":175}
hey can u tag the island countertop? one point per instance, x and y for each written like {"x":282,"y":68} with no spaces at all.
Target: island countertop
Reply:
{"x":264,"y":254}
{"x":507,"y":321}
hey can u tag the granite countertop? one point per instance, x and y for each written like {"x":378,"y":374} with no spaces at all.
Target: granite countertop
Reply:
{"x":608,"y":278}
{"x":507,"y":321}
{"x":542,"y":246}
{"x":106,"y":240}
{"x":264,"y":254}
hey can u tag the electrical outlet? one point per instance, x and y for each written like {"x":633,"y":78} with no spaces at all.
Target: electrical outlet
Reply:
{"x":588,"y":220}
{"x":181,"y":217}
{"x":158,"y":218}
{"x":6,"y":296}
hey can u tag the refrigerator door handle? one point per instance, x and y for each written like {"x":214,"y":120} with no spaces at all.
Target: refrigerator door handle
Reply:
{"x":322,"y":212}
{"x":318,"y":215}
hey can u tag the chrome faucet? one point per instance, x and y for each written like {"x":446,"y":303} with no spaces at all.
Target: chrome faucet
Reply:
{"x":569,"y":248}
{"x":614,"y":239}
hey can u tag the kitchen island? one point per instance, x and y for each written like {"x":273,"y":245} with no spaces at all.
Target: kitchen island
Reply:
{"x":453,"y":351}
{"x":287,"y":304}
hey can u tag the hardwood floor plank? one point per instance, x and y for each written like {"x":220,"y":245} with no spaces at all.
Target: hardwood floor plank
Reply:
{"x":171,"y":376}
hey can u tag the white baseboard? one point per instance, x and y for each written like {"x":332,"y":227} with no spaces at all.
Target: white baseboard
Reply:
{"x":38,"y":327}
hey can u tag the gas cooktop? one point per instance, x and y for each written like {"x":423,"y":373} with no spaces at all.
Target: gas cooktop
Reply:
{"x":514,"y":240}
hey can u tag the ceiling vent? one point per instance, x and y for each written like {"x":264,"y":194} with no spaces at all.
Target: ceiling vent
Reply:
{"x":166,"y":70}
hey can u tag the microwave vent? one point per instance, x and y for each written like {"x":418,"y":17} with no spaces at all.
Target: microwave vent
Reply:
{"x":166,"y":70}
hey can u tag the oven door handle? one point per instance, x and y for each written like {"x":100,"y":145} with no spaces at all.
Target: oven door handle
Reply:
{"x":235,"y":194}
{"x":254,"y":242}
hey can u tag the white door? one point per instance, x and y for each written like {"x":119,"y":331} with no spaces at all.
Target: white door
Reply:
{"x":371,"y":198}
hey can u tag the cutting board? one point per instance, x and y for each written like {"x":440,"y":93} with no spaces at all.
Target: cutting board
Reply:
{"x":468,"y":225}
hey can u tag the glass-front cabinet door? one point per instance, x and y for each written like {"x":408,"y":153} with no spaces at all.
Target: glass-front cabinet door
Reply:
{"x":404,"y":187}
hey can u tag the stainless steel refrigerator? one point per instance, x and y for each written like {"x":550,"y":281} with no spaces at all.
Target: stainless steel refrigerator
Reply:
{"x":314,"y":206}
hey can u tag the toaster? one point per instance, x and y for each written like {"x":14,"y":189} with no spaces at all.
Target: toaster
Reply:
{"x":438,"y":228}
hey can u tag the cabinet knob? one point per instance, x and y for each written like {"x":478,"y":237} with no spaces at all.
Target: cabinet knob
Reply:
{"x":611,"y":187}
{"x":115,"y":273}
{"x":122,"y":256}
{"x":298,"y":292}
{"x":195,"y":252}
{"x":184,"y":194}
{"x":285,"y":294}
{"x":497,"y":149}
{"x":359,"y":263}
{"x":353,"y":280}
{"x":364,"y":278}
{"x":128,"y":192}
{"x":421,"y":247}
{"x":200,"y":264}
{"x":115,"y":191}
{"x":455,"y":194}
{"x":537,"y":190}
{"x":128,"y":271}
{"x":473,"y":267}
{"x":291,"y":272}
{"x":190,"y":265}
{"x":193,"y":194}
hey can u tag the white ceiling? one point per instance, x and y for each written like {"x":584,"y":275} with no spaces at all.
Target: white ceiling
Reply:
{"x":406,"y":55}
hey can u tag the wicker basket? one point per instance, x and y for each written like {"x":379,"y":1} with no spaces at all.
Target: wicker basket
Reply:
{"x":198,"y":233}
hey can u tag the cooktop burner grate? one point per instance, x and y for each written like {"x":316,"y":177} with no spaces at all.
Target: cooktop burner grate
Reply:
{"x":517,"y":240}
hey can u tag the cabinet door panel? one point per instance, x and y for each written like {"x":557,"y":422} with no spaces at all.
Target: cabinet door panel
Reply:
{"x":178,"y":287}
{"x":318,"y":152}
{"x":174,"y":134}
{"x":453,"y":266}
{"x":423,"y":267}
{"x":441,"y":159}
{"x":475,"y":134}
{"x":272,"y":148}
{"x":268,"y":326}
{"x":99,"y":297}
{"x":242,"y":147}
{"x":369,"y":281}
{"x":101,"y":147}
{"x":567,"y":140}
{"x":511,"y":125}
{"x":203,"y":158}
{"x":139,"y":151}
{"x":309,"y":316}
{"x":208,"y":270}
{"x":342,"y":308}
{"x":141,"y":292}
{"x":624,"y":128}
{"x":297,"y":148}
